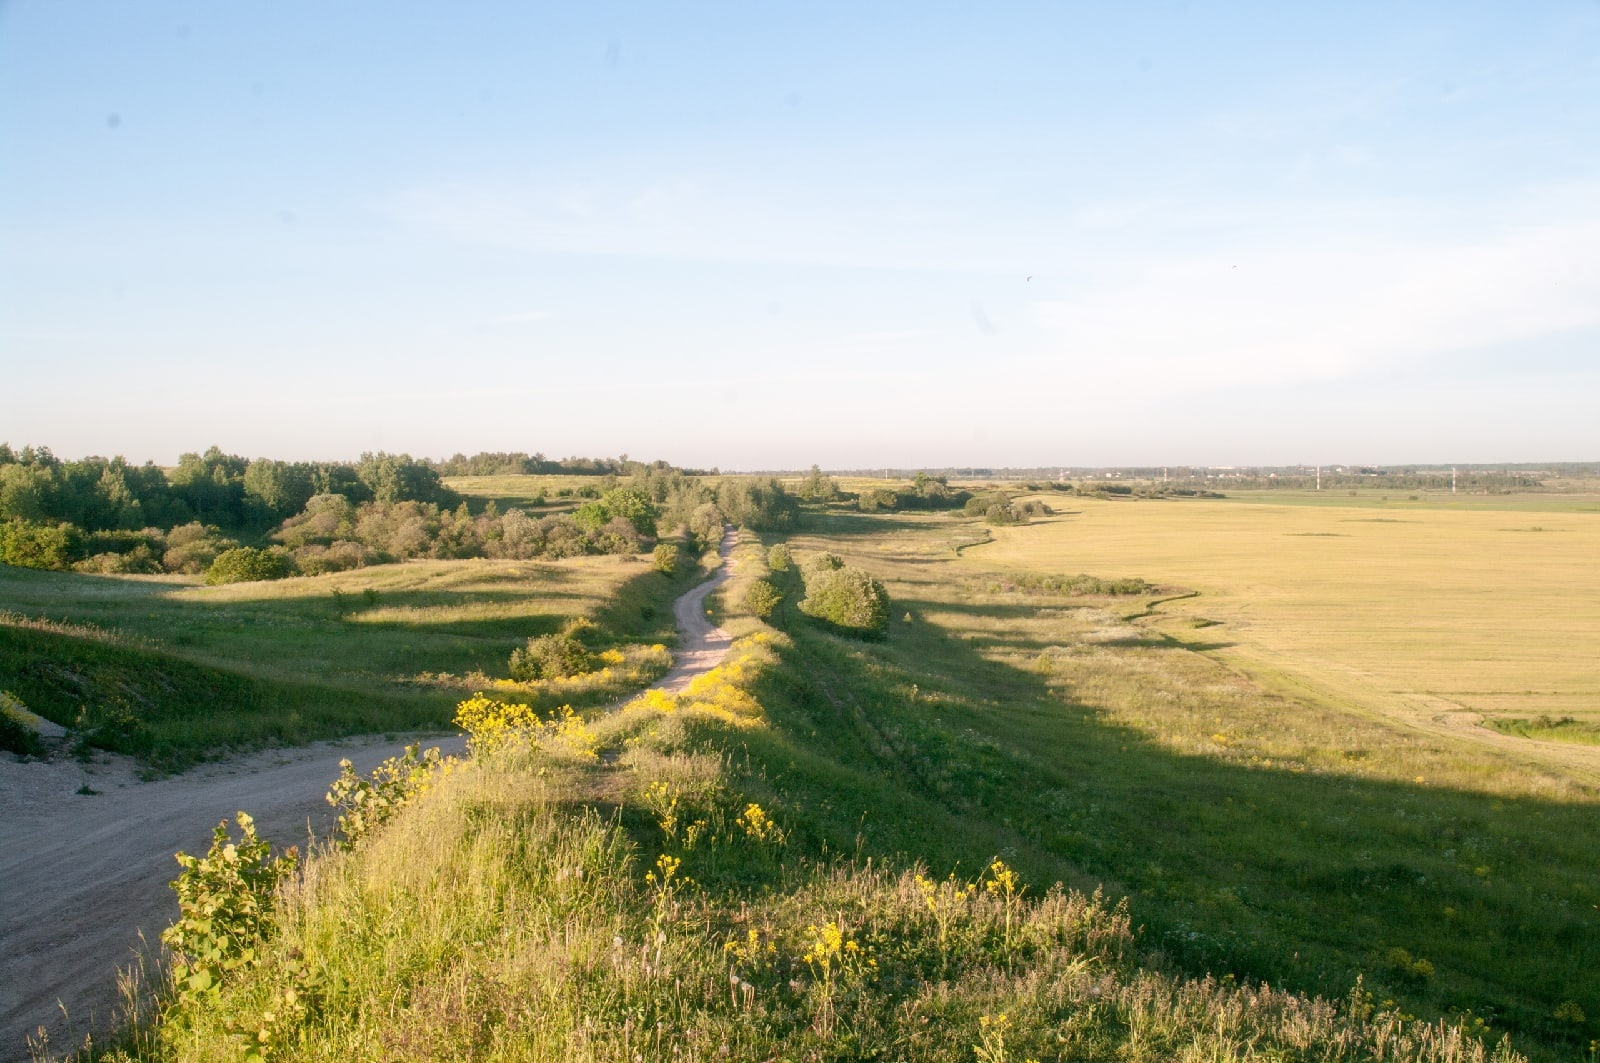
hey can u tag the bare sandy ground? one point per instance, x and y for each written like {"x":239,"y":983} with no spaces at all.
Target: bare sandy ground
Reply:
{"x":83,"y":876}
{"x":700,"y":645}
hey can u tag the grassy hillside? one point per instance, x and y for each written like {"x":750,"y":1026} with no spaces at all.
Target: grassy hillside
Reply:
{"x":172,"y":671}
{"x":627,"y":891}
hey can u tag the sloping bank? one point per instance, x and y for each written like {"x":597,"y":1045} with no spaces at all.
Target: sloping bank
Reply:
{"x":623,"y":889}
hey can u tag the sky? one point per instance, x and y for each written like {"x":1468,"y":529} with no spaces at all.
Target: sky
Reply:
{"x":768,"y":235}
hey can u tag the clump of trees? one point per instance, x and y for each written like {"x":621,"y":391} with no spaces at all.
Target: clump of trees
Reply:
{"x":758,"y":503}
{"x":35,"y":544}
{"x":1002,"y":510}
{"x":925,"y":492}
{"x":103,"y":516}
{"x":817,"y":487}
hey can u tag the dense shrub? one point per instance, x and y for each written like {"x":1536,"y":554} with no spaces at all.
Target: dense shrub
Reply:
{"x":29,"y":544}
{"x":550,"y":657}
{"x":616,"y":536}
{"x":820,"y":563}
{"x":246,"y":564}
{"x":762,"y":597}
{"x":141,"y":559}
{"x":665,"y":558}
{"x":192,"y":547}
{"x":779,"y":558}
{"x":875,"y":498}
{"x":848,"y":599}
{"x":339,"y":556}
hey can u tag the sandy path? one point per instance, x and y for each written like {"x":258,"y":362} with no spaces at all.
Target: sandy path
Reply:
{"x":700,"y":646}
{"x":82,"y":876}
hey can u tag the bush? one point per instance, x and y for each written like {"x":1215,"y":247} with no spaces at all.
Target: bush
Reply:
{"x":875,"y":498}
{"x":138,"y":560}
{"x":192,"y":547}
{"x":665,"y":558}
{"x":762,"y":598}
{"x":32,"y":545}
{"x":626,"y":503}
{"x":550,"y":657}
{"x":1001,"y":513}
{"x":246,"y":564}
{"x":779,"y":559}
{"x":817,"y":564}
{"x":225,"y":902}
{"x":848,"y":599}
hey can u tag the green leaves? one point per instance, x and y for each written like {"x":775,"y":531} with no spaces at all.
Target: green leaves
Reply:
{"x":224,"y":908}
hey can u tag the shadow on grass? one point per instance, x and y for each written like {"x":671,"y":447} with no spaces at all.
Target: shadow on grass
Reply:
{"x":924,"y":748}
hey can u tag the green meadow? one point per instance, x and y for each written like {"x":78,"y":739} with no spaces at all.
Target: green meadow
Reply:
{"x":174,"y":671}
{"x":1297,"y":840}
{"x":1444,"y":613}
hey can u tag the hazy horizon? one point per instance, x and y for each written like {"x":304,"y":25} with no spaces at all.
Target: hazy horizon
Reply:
{"x":766,"y":238}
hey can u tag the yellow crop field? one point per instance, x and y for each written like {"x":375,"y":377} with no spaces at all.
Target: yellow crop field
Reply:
{"x":1440,"y":617}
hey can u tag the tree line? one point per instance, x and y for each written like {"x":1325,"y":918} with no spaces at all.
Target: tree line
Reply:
{"x":263,"y":518}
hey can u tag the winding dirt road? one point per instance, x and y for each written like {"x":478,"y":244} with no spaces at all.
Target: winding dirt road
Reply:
{"x":84,"y":875}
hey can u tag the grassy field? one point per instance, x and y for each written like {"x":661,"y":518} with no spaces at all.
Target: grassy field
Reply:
{"x":528,"y":493}
{"x":1258,"y":832}
{"x":1265,"y":831}
{"x":629,"y":890}
{"x":1440,"y":612}
{"x":190,"y":670}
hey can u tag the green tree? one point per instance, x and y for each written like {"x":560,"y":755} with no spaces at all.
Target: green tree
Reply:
{"x":212,"y":486}
{"x":665,"y":558}
{"x":402,"y":478}
{"x":705,"y":524}
{"x":274,"y":490}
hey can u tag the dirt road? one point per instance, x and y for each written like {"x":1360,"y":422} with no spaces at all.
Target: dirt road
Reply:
{"x":83,"y":875}
{"x":700,"y":645}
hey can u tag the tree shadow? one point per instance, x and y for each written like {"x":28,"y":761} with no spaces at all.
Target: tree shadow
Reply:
{"x":1298,"y":872}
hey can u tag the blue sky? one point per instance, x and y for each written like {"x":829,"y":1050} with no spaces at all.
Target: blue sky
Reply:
{"x":770,"y":235}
